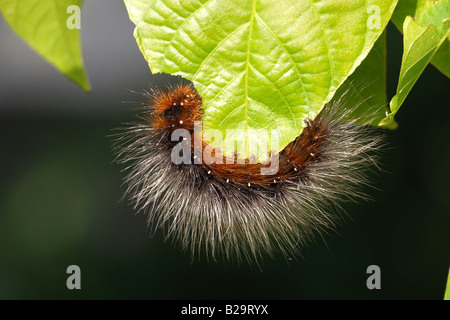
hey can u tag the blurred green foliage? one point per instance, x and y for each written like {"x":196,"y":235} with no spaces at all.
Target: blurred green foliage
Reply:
{"x":60,"y":205}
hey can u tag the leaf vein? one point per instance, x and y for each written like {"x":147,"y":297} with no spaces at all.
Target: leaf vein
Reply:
{"x":180,"y":27}
{"x":282,"y":96}
{"x":326,"y":42}
{"x":217,"y":47}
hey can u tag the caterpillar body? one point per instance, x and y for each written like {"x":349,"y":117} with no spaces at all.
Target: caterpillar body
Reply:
{"x":229,"y":209}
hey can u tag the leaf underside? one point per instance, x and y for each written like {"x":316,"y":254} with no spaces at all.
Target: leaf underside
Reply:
{"x":43,"y":25}
{"x":259,"y":64}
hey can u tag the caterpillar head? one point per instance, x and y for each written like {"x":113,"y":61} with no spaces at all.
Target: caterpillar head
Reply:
{"x":177,"y":108}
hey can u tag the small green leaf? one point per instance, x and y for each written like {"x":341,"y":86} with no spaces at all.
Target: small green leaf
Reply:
{"x":46,"y":25}
{"x":428,"y":13}
{"x":420,"y":44}
{"x":260,"y":64}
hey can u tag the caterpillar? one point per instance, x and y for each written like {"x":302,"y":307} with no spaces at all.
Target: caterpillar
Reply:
{"x":233,"y":209}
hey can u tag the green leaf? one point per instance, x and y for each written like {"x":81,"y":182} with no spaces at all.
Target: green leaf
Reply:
{"x":44,"y":25}
{"x":365,"y":89}
{"x":428,"y":13}
{"x":260,"y":64}
{"x":420,"y":44}
{"x":447,"y":291}
{"x":441,"y":59}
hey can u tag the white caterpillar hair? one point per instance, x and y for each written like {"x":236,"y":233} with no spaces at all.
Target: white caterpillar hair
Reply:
{"x":207,"y":214}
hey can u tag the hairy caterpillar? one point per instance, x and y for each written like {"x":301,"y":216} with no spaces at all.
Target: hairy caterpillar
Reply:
{"x":229,"y":208}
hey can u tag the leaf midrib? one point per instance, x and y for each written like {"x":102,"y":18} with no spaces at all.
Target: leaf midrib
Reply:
{"x":247,"y":63}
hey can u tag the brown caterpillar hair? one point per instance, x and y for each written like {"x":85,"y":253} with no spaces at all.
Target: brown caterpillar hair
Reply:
{"x":232,"y":210}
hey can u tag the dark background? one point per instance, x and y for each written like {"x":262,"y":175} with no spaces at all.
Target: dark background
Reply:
{"x":60,"y":191}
